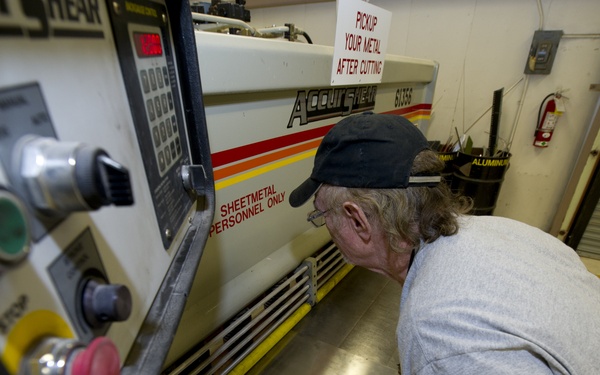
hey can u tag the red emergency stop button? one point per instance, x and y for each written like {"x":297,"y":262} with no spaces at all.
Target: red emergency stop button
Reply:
{"x":56,"y":355}
{"x":101,"y":357}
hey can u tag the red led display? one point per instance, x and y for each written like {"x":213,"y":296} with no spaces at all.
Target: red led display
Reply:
{"x":147,"y":44}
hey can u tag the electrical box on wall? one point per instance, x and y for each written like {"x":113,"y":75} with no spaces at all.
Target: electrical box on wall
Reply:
{"x":542,"y":52}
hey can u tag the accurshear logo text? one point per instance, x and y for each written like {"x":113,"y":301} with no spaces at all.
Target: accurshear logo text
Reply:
{"x":314,"y":105}
{"x":51,"y":18}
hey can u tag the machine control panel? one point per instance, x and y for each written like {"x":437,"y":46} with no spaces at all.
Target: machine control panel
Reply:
{"x":145,"y":51}
{"x":158,"y":96}
{"x":95,"y":219}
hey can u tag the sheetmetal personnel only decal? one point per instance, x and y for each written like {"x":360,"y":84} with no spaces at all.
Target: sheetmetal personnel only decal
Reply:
{"x":242,"y":208}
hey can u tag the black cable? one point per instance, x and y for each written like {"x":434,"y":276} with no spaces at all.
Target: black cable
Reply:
{"x":537,"y":125}
{"x":305,"y":35}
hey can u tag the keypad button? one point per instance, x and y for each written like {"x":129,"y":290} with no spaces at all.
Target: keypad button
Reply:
{"x":150,"y":108}
{"x":178,"y":145}
{"x":163,"y":99}
{"x":161,"y":161}
{"x":170,"y":99}
{"x":159,"y":78}
{"x":152,"y":79}
{"x":169,"y":128}
{"x":163,"y":132}
{"x":155,"y":136}
{"x":173,"y":151}
{"x":165,"y":75}
{"x":145,"y":83}
{"x":168,"y":154}
{"x":174,"y":122}
{"x":157,"y":106}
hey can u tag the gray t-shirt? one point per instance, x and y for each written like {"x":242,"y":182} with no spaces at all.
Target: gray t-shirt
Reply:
{"x":499,"y":297}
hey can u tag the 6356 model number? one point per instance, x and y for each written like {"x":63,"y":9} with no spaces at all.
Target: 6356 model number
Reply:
{"x":403,"y":97}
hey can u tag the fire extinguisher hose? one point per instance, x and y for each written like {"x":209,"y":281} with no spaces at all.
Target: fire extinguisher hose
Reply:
{"x":539,"y":118}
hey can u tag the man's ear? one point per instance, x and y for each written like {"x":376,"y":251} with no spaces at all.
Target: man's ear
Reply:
{"x":358,"y":220}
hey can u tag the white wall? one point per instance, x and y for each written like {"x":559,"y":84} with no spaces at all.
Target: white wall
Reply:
{"x":481,"y":46}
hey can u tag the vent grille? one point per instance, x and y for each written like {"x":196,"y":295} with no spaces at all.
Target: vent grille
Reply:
{"x":227,"y":346}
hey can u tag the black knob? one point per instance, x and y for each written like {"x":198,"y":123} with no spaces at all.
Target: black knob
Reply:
{"x":101,"y":180}
{"x":104,"y":303}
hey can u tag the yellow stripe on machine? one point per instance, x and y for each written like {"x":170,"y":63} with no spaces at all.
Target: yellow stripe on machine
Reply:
{"x":267,"y":168}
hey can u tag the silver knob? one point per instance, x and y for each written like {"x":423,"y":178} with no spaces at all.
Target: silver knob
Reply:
{"x":61,"y":356}
{"x":50,"y":356}
{"x":62,"y":177}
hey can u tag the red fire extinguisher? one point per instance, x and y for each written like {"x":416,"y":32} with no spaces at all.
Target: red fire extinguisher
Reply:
{"x":551,"y":109}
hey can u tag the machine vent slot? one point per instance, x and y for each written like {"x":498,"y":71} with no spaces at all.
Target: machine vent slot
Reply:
{"x":227,"y":346}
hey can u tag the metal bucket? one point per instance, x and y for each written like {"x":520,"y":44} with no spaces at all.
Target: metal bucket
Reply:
{"x":480,"y":178}
{"x":448,"y":159}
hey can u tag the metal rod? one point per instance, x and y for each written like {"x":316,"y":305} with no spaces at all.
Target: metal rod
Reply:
{"x":324,"y":268}
{"x":459,"y":142}
{"x":327,"y":261}
{"x":581,"y":36}
{"x":286,"y":326}
{"x":217,"y":23}
{"x":234,"y":340}
{"x":222,"y":22}
{"x":220,"y":353}
{"x":331,"y":265}
{"x":495,"y":121}
{"x":258,"y":318}
{"x":253,"y":321}
{"x":231,"y":327}
{"x":328,"y":277}
{"x":285,"y":308}
{"x":327,"y":251}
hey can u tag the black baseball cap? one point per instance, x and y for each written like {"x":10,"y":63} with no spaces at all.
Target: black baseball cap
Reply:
{"x":367,"y":151}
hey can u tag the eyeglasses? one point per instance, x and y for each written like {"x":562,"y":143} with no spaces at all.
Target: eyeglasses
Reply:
{"x":317,"y":217}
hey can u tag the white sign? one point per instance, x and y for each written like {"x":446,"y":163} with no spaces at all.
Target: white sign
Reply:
{"x":360,"y":43}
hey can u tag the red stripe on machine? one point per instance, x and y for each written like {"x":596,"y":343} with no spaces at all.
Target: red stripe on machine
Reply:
{"x":239,"y":153}
{"x":246,"y":151}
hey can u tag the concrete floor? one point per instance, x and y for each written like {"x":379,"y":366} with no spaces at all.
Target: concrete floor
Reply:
{"x":351,"y":332}
{"x":593,"y":265}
